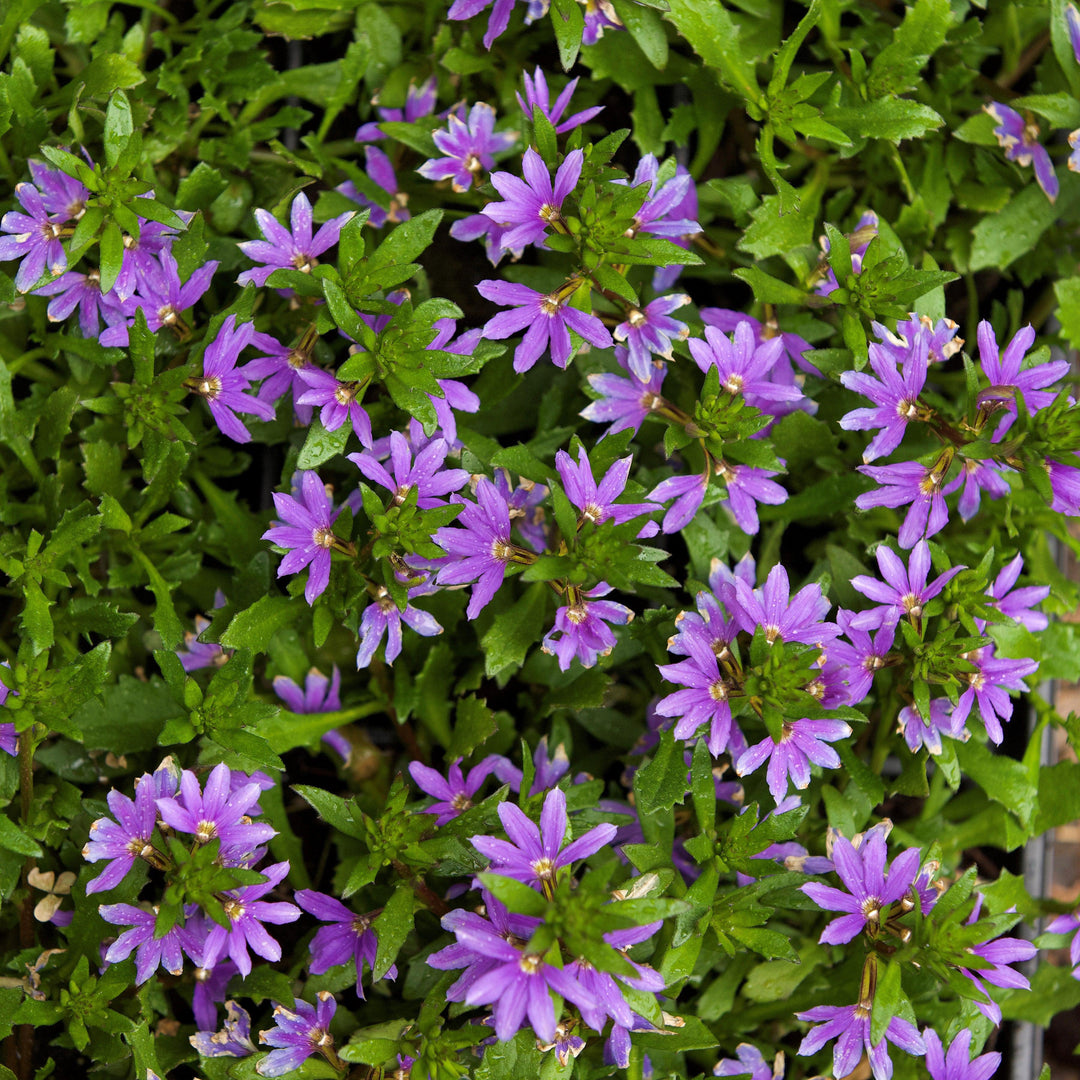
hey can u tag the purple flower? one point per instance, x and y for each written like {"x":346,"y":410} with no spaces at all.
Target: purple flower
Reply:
{"x":454,"y":791}
{"x":535,"y":855}
{"x":958,"y":1063}
{"x":603,"y":987}
{"x":348,"y":937}
{"x":497,"y":23}
{"x":279,"y":368}
{"x":288,"y":249}
{"x":582,"y":626}
{"x":1069,"y":924}
{"x":223,"y":387}
{"x":308,"y":533}
{"x":850,"y":1025}
{"x":383,"y":618}
{"x":537,"y":94}
{"x":794,"y":346}
{"x":233,"y":1040}
{"x":599,"y":16}
{"x":803,"y":741}
{"x":999,"y":954}
{"x":163,"y":298}
{"x":688,"y":491}
{"x":526,"y":508}
{"x":871,"y":891}
{"x":597,"y":501}
{"x":1002,"y":368}
{"x":61,"y":194}
{"x":83,"y":291}
{"x":664,"y":199}
{"x":152,"y":950}
{"x":977,"y":477}
{"x":686,"y":209}
{"x":246,"y":912}
{"x":211,"y":982}
{"x":425,"y":472}
{"x":987,"y":685}
{"x":549,"y":768}
{"x":217,"y":813}
{"x":1015,"y":603}
{"x":381,"y":171}
{"x":744,"y":366}
{"x":297,"y":1035}
{"x":865,"y":231}
{"x":904,"y":591}
{"x":9,"y":740}
{"x":918,"y":732}
{"x":477,"y":226}
{"x":338,"y":401}
{"x":469,"y":145}
{"x":124,"y":840}
{"x":895,"y":395}
{"x":751,"y":1063}
{"x":1018,"y":139}
{"x":531,"y":204}
{"x":566,"y":1045}
{"x":34,"y":238}
{"x":746,"y":487}
{"x":419,"y":102}
{"x":942,"y":341}
{"x":625,"y":402}
{"x":139,"y":255}
{"x":920,"y":485}
{"x":479,"y":545}
{"x":196,"y":654}
{"x":319,"y":694}
{"x":549,"y":320}
{"x":1072,"y":23}
{"x":860,"y":659}
{"x":798,"y":619}
{"x":650,"y":331}
{"x":1064,"y":487}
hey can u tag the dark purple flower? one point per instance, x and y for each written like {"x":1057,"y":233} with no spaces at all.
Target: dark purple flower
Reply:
{"x":9,"y":740}
{"x":566,"y":1044}
{"x":850,"y":1026}
{"x":958,"y":1063}
{"x":987,"y":687}
{"x":1072,"y":23}
{"x":479,"y":545}
{"x":526,"y":508}
{"x":1064,"y":487}
{"x":750,"y":1063}
{"x":425,"y":472}
{"x":537,"y":94}
{"x":686,"y":209}
{"x":583,"y":626}
{"x":348,"y":937}
{"x":338,"y":401}
{"x":803,"y":741}
{"x":1069,"y":924}
{"x":34,"y":237}
{"x":1002,"y":368}
{"x":794,"y":346}
{"x":921,"y":486}
{"x":688,"y":491}
{"x":233,"y":1040}
{"x":549,"y":768}
{"x":596,"y":502}
{"x":289,"y":249}
{"x":152,"y":950}
{"x":218,"y":813}
{"x":1019,"y":138}
{"x":163,"y":298}
{"x":799,"y":618}
{"x":895,"y":394}
{"x":977,"y":477}
{"x":860,"y":659}
{"x":470,"y":145}
{"x":535,"y":855}
{"x":871,"y":891}
{"x":211,"y":982}
{"x":625,"y":402}
{"x":744,"y":366}
{"x":278,"y":367}
{"x":455,"y":791}
{"x":1014,"y":603}
{"x":650,"y":331}
{"x":380,"y":171}
{"x":124,"y":840}
{"x":600,"y":15}
{"x":532,"y":204}
{"x":196,"y":654}
{"x":549,"y":320}
{"x":999,"y":954}
{"x":746,"y":487}
{"x":224,"y":387}
{"x":382,"y":618}
{"x":61,"y":194}
{"x":319,"y":694}
{"x":663,"y":201}
{"x":308,"y":533}
{"x":419,"y":102}
{"x":299,"y":1034}
{"x":139,"y":255}
{"x":904,"y":591}
{"x":83,"y":291}
{"x":497,"y":23}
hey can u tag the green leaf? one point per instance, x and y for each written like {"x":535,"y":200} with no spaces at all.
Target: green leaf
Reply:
{"x":251,"y":746}
{"x":516,"y":895}
{"x":321,"y":445}
{"x":474,"y":722}
{"x":118,"y":128}
{"x":646,"y":29}
{"x":37,"y":623}
{"x":111,"y":247}
{"x":770,"y":290}
{"x":894,"y":119}
{"x":895,"y":69}
{"x":887,"y":1001}
{"x":711,"y":33}
{"x":391,"y":928}
{"x":255,"y":626}
{"x":568,"y":22}
{"x":514,"y":631}
{"x":661,"y":783}
{"x":13,"y":839}
{"x":332,"y":809}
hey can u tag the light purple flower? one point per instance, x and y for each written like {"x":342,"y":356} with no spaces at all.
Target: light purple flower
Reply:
{"x":688,"y":491}
{"x":744,"y":366}
{"x":124,"y":840}
{"x":977,"y":477}
{"x":152,"y":951}
{"x":278,"y":367}
{"x":548,"y":768}
{"x":895,"y":394}
{"x":348,"y":937}
{"x":419,"y":102}
{"x":9,"y":740}
{"x":850,"y":1026}
{"x":34,"y":237}
{"x":1015,"y":603}
{"x":61,"y":194}
{"x":139,"y":255}
{"x":380,"y":171}
{"x":596,"y":502}
{"x":218,"y":813}
{"x":958,"y":1063}
{"x":476,"y":227}
{"x":999,"y":954}
{"x":803,"y":741}
{"x":425,"y":472}
{"x":470,"y":145}
{"x":686,"y":209}
{"x":625,"y":402}
{"x":196,"y":654}
{"x":308,"y":533}
{"x":600,"y":15}
{"x":871,"y":891}
{"x":1069,"y":924}
{"x":1072,"y":23}
{"x":942,"y":342}
{"x":746,"y":487}
{"x":582,"y":626}
{"x":497,"y":22}
{"x":537,"y":94}
{"x":663,"y":201}
{"x":338,"y":401}
{"x":794,"y":346}
{"x":319,"y":694}
{"x":1002,"y":368}
{"x":535,"y":855}
{"x":1064,"y":487}
{"x":233,"y":1040}
{"x":382,"y":618}
{"x":1019,"y":138}
{"x":455,"y":791}
{"x":987,"y":687}
{"x":549,"y":320}
{"x":531,"y":204}
{"x":904,"y":591}
{"x":297,"y":1034}
{"x":861,"y":658}
{"x":478,"y":544}
{"x":750,"y":1063}
{"x":83,"y":291}
{"x":224,"y":387}
{"x":650,"y":331}
{"x":799,"y":618}
{"x":920,"y":485}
